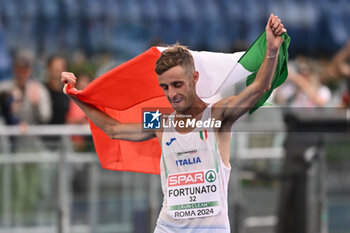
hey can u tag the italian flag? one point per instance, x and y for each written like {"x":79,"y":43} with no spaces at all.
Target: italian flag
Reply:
{"x":203,"y":134}
{"x":126,"y":89}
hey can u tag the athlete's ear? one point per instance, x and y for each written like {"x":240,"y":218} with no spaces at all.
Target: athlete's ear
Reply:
{"x":195,"y":76}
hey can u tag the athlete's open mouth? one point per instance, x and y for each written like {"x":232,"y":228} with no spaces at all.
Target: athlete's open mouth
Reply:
{"x":177,"y":100}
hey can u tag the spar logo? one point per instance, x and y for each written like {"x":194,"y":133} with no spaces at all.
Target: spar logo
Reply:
{"x":210,"y":176}
{"x":186,"y":179}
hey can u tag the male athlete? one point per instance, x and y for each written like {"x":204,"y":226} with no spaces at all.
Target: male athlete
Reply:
{"x":195,"y":164}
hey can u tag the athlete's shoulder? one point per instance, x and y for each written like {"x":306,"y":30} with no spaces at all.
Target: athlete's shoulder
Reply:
{"x":220,"y":106}
{"x":159,"y":135}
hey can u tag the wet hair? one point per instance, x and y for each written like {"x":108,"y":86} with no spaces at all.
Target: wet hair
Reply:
{"x":175,"y":55}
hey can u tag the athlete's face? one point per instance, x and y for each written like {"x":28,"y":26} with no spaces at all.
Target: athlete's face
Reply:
{"x":179,"y":87}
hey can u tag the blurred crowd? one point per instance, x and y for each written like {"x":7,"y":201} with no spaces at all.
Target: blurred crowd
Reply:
{"x":29,"y":98}
{"x":317,"y":82}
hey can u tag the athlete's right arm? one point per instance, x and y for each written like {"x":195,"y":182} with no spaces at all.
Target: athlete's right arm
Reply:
{"x":113,"y":128}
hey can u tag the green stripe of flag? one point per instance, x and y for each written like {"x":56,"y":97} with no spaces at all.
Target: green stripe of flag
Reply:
{"x":194,"y":205}
{"x":254,"y":57}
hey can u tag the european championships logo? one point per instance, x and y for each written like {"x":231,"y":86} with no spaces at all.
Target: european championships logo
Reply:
{"x":153,"y":120}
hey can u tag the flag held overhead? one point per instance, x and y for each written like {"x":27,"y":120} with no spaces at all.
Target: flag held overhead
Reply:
{"x":125,"y":90}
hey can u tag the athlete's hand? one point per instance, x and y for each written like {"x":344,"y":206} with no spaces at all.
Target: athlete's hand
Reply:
{"x":68,"y":78}
{"x":274,"y":29}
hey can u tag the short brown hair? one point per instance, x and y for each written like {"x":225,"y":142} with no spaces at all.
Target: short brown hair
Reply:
{"x":175,"y":55}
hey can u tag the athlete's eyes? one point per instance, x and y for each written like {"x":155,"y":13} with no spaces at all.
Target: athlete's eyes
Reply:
{"x":177,"y":84}
{"x":164,"y":87}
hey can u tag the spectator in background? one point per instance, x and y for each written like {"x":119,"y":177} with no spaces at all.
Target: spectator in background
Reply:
{"x":336,"y":73}
{"x":303,"y":87}
{"x":55,"y":66}
{"x":341,"y":64}
{"x":80,"y":64}
{"x":23,"y":99}
{"x":345,"y":101}
{"x":339,"y":67}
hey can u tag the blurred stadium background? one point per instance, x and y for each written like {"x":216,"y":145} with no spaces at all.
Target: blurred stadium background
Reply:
{"x":50,"y":178}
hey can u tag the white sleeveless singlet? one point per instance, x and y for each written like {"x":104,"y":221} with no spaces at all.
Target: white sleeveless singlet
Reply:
{"x":194,"y":183}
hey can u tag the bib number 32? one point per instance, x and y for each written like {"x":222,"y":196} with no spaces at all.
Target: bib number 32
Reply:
{"x":193,"y":195}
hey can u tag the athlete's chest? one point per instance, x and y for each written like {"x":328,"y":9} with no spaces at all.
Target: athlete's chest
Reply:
{"x":189,"y":152}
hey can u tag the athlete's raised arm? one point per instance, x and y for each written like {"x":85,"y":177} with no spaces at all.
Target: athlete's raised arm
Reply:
{"x":231,"y":108}
{"x":113,"y":128}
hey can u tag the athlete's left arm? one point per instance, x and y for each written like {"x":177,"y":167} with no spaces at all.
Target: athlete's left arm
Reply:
{"x":231,"y":108}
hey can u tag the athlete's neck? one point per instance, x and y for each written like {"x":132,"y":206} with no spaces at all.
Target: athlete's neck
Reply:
{"x":195,"y":110}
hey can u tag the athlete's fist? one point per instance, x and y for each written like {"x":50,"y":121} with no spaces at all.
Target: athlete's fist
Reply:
{"x":68,"y":78}
{"x":274,"y":29}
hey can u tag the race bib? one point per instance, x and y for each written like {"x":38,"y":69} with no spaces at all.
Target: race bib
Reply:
{"x":194,"y":194}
